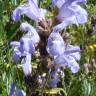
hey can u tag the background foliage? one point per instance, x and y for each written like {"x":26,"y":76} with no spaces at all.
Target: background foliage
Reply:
{"x":81,"y":84}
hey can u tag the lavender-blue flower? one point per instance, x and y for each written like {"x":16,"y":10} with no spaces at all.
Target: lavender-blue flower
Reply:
{"x":55,"y":78}
{"x":70,"y":13}
{"x":31,"y":10}
{"x":16,"y":92}
{"x":20,"y":93}
{"x":69,"y":61}
{"x":12,"y":89}
{"x":31,"y":33}
{"x":65,"y":55}
{"x":16,"y":52}
{"x":26,"y":64}
{"x":25,"y":47}
{"x":69,"y":58}
{"x":55,"y":44}
{"x":71,"y":10}
{"x":59,"y":3}
{"x":28,"y":42}
{"x":16,"y":55}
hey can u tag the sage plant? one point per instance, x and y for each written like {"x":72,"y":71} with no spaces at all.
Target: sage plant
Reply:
{"x":60,"y":53}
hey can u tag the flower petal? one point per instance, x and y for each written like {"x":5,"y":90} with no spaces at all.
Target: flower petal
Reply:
{"x":72,"y":9}
{"x":64,"y":23}
{"x":72,"y":64}
{"x":13,"y":87}
{"x":22,"y":9}
{"x":15,"y":44}
{"x":60,"y":61}
{"x":26,"y":66}
{"x":20,"y":93}
{"x":31,"y":35}
{"x":54,"y":78}
{"x":58,"y":3}
{"x":30,"y":9}
{"x":25,"y":26}
{"x":81,"y":15}
{"x":65,"y":12}
{"x":55,"y":45}
{"x":73,"y":51}
{"x":68,"y":60}
{"x":16,"y":55}
{"x":26,"y":45}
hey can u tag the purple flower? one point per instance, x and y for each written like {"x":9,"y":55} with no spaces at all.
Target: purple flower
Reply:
{"x":55,"y":45}
{"x":25,"y":27}
{"x":69,"y":58}
{"x":12,"y":89}
{"x":72,"y":64}
{"x":26,"y":64}
{"x":31,"y":33}
{"x":15,"y":44}
{"x":16,"y":52}
{"x":70,"y":13}
{"x":25,"y":49}
{"x":31,"y":10}
{"x":60,"y":61}
{"x":26,"y":46}
{"x":27,"y":43}
{"x":81,"y":15}
{"x":53,"y":83}
{"x":71,"y":10}
{"x":54,"y":78}
{"x":30,"y":40}
{"x":16,"y":55}
{"x":65,"y":23}
{"x":20,"y":93}
{"x":59,"y":3}
{"x":16,"y":92}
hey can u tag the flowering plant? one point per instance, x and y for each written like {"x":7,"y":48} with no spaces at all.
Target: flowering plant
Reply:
{"x":47,"y":40}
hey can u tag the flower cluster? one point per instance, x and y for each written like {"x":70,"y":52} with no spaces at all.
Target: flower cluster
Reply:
{"x":63,"y":54}
{"x":69,"y":12}
{"x":25,"y":47}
